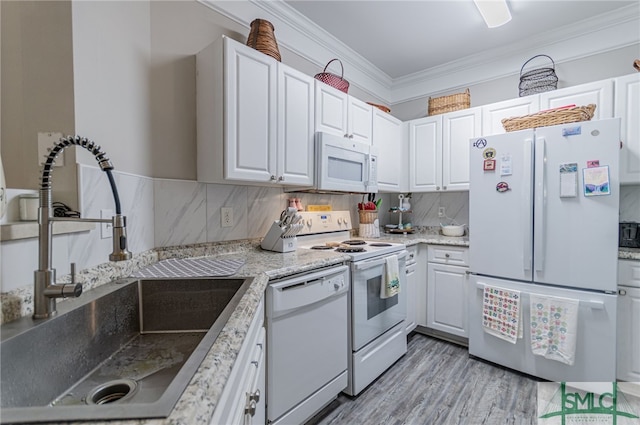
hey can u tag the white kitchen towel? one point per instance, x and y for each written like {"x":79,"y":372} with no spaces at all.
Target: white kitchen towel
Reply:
{"x":501,"y":315}
{"x":390,"y":278}
{"x":554,"y":323}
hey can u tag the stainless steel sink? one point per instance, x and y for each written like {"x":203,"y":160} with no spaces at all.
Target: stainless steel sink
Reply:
{"x":121,"y":351}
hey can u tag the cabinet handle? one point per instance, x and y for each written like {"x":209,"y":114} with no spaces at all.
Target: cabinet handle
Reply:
{"x":346,"y":136}
{"x":252,"y":402}
{"x":281,"y":178}
{"x":437,"y":187}
{"x":447,"y":255}
{"x":622,"y":292}
{"x":351,"y":136}
{"x":250,"y":408}
{"x":444,"y":187}
{"x":272,"y":178}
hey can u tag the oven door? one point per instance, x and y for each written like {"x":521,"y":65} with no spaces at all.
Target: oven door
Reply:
{"x":371,"y":316}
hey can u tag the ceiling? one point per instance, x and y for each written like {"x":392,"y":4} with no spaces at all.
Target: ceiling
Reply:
{"x":401,"y":38}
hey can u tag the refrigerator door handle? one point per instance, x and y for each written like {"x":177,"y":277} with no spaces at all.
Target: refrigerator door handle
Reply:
{"x":526,"y":210}
{"x":539,"y":203}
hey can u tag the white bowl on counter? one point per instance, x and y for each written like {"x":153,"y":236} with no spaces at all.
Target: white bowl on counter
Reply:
{"x":452,"y":230}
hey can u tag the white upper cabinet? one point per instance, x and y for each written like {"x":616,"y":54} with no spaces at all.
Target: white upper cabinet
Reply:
{"x":439,"y":150}
{"x":295,"y":126}
{"x":627,"y":108}
{"x":599,"y":93}
{"x":425,"y":154}
{"x":493,"y":114}
{"x":338,"y":113}
{"x":388,"y":138}
{"x":255,"y":118}
{"x":457,"y":128}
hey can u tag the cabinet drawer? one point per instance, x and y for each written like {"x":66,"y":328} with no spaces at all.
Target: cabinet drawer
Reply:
{"x":629,"y":273}
{"x":445,"y":254}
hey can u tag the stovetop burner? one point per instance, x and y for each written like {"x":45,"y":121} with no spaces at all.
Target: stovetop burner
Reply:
{"x":354,"y":242}
{"x":350,"y":249}
{"x":380,"y":244}
{"x":322,"y":247}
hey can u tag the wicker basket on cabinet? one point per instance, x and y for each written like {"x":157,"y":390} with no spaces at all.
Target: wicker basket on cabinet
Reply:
{"x":562,"y":115}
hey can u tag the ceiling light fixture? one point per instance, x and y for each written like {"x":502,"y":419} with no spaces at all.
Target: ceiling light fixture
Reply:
{"x":494,"y":12}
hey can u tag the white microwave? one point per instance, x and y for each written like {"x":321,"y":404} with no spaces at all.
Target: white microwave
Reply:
{"x":344,"y":165}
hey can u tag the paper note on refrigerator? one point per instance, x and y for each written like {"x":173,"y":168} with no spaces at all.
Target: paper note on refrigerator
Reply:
{"x":506,"y":165}
{"x":596,"y":181}
{"x":569,"y":180}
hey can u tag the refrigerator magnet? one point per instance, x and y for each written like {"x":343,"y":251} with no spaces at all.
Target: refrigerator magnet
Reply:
{"x":489,"y":165}
{"x":489,"y":153}
{"x":594,"y":163}
{"x":596,"y":181}
{"x":502,"y":187}
{"x":569,"y":180}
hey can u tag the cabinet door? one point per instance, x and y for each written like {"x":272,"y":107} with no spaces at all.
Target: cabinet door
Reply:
{"x":493,"y":114}
{"x":250,"y":108}
{"x":457,"y":128}
{"x":628,"y":335}
{"x":359,"y":119}
{"x":387,"y":137}
{"x":295,"y":148}
{"x":599,"y":93}
{"x":627,"y":108}
{"x":331,"y":109}
{"x":447,"y":299}
{"x":425,"y":154}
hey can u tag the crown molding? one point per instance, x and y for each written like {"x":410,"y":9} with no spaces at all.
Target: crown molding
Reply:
{"x":298,"y":34}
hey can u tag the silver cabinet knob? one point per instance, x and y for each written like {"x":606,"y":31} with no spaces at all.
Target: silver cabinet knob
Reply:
{"x":272,"y":178}
{"x":447,"y":255}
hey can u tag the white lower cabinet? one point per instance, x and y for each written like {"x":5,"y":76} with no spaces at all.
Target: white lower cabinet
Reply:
{"x":242,"y":401}
{"x":447,"y":282}
{"x":628,"y":335}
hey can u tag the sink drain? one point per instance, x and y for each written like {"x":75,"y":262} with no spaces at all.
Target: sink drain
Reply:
{"x":112,"y":392}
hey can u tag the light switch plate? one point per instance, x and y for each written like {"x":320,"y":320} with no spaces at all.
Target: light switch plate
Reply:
{"x":46,"y":140}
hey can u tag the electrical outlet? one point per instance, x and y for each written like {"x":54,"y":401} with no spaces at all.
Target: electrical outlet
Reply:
{"x":46,"y":141}
{"x":441,"y":212}
{"x":226,"y":217}
{"x":105,"y":228}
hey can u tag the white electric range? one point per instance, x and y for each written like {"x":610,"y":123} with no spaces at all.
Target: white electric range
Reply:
{"x":377,"y":336}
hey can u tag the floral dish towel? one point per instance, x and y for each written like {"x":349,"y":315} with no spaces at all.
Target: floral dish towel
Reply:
{"x":554,"y":323}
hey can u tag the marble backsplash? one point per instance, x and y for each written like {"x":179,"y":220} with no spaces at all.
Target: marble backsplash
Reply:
{"x":163,"y":213}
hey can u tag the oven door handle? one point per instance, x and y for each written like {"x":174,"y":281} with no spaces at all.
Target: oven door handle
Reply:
{"x":366,"y":264}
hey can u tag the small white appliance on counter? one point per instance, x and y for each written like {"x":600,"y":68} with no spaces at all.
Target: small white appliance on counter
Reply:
{"x":377,"y":337}
{"x":543,"y":206}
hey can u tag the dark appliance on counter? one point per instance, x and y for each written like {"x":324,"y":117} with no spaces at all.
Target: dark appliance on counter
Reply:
{"x":629,"y":235}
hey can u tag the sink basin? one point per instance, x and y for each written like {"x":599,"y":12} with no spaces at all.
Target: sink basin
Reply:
{"x":121,"y":351}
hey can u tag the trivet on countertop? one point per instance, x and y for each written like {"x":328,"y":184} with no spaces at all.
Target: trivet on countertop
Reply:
{"x":190,"y":267}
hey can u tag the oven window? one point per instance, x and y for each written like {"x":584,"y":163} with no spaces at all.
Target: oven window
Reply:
{"x":375,"y":304}
{"x":343,"y":169}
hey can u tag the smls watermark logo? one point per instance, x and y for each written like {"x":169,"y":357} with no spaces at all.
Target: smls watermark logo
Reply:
{"x":588,"y":403}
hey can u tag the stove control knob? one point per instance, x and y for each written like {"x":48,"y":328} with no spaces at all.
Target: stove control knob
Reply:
{"x":339,"y":220}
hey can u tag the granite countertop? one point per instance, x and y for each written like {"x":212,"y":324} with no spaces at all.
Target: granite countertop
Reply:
{"x":198,"y":402}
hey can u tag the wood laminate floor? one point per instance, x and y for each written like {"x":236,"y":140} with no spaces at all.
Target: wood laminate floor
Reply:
{"x":437,"y":383}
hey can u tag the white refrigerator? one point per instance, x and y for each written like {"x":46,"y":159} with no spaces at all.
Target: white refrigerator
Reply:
{"x":543,"y":219}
